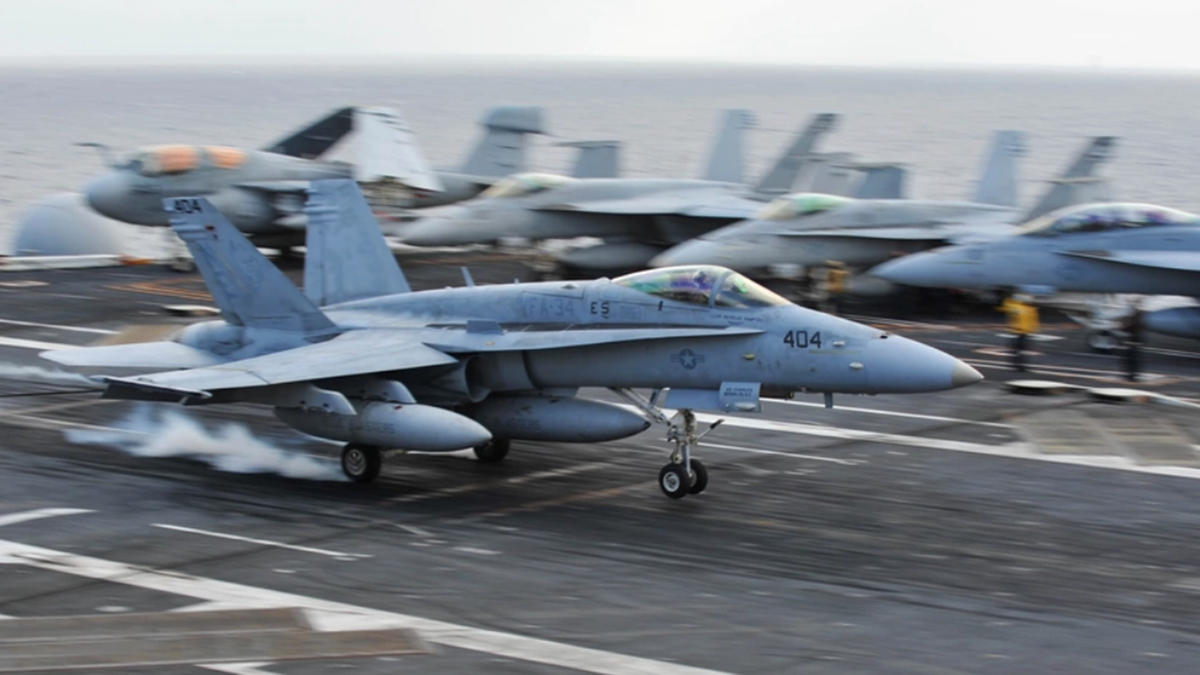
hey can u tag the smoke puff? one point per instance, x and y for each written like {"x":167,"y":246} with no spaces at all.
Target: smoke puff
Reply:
{"x":231,"y":447}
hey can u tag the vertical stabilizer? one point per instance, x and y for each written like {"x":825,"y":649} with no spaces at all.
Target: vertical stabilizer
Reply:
{"x":316,"y":138}
{"x":832,"y":173}
{"x":998,"y":182}
{"x":726,"y":159}
{"x":782,"y":176}
{"x":501,"y":151}
{"x":347,"y":257}
{"x":1078,"y":184}
{"x":595,"y":159}
{"x":881,"y":181}
{"x":388,"y":151}
{"x":248,"y":289}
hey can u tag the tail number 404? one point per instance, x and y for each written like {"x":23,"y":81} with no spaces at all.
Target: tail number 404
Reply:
{"x":187,"y":206}
{"x":801,"y":339}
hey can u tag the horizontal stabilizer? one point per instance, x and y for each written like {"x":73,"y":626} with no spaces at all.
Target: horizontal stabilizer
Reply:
{"x":315,"y":139}
{"x":145,"y":356}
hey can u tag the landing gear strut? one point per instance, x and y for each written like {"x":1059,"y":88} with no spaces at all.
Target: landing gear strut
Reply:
{"x":683,"y":475}
{"x":361,"y":463}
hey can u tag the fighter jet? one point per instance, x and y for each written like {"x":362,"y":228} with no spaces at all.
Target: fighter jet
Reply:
{"x":1096,"y":248}
{"x":810,"y":229}
{"x":262,"y":191}
{"x":360,"y":358}
{"x":637,"y":218}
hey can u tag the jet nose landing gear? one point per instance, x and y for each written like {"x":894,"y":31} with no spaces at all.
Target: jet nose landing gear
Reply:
{"x":683,"y":475}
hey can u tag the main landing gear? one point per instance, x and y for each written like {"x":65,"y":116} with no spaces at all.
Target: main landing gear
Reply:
{"x":361,"y":463}
{"x":683,"y":475}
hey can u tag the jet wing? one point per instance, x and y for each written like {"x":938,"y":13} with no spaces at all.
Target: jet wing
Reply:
{"x":535,"y":338}
{"x":1183,"y":261}
{"x":698,"y":206}
{"x":356,"y":352}
{"x":145,"y":355}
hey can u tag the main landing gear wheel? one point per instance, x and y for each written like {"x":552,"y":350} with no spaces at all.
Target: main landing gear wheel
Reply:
{"x":493,"y":451}
{"x":677,"y":483}
{"x":361,"y":463}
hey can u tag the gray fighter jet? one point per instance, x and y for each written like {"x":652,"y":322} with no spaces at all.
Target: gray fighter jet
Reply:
{"x":810,"y":229}
{"x":1097,"y":248}
{"x":637,"y":218}
{"x":262,"y":191}
{"x":360,"y":358}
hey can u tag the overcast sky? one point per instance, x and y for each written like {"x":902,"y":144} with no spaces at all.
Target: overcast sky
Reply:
{"x":1160,"y":34}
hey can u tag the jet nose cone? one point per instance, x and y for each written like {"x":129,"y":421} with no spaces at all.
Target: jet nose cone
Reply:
{"x":898,"y":365}
{"x":453,"y":226}
{"x":105,"y":194}
{"x":964,"y":375}
{"x":426,"y":232}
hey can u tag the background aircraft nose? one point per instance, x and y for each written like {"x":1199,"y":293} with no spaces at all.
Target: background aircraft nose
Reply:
{"x":918,"y":269}
{"x":897,"y":365}
{"x":105,"y":194}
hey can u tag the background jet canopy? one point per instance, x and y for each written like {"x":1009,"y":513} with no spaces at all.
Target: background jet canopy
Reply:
{"x":175,"y":159}
{"x":523,"y":184}
{"x":694,"y":284}
{"x":803,"y":204}
{"x":1105,"y":217}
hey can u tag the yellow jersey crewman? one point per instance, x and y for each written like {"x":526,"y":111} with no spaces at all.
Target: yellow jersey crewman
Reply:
{"x":1022,"y":322}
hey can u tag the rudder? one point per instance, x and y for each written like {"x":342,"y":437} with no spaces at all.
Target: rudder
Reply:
{"x":998,"y":182}
{"x":725,"y":160}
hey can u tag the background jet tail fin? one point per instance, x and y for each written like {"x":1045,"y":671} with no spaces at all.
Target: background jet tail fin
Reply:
{"x":501,"y":151}
{"x":317,"y":138}
{"x":347,"y":257}
{"x":726,"y":159}
{"x":1071,"y":187}
{"x":248,"y":289}
{"x":388,"y":151}
{"x":998,"y":182}
{"x":595,"y":159}
{"x":881,"y":181}
{"x":832,"y":173}
{"x":782,"y":176}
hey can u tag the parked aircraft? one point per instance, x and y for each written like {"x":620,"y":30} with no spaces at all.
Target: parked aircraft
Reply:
{"x":262,"y":191}
{"x":636,"y":217}
{"x":360,"y":358}
{"x":810,"y":229}
{"x":1096,"y":248}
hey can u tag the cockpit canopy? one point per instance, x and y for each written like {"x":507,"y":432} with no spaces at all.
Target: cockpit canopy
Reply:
{"x":707,"y":285}
{"x":165,"y":160}
{"x":801,"y":204}
{"x":522,"y":184}
{"x":1105,"y":218}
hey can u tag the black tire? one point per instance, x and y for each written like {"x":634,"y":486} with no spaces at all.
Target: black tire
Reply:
{"x":361,"y":463}
{"x":674,"y":481}
{"x":1103,"y":341}
{"x":492,"y":452}
{"x":699,"y":477}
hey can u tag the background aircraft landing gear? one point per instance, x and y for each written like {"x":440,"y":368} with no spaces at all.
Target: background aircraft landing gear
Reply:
{"x":361,"y":463}
{"x":493,"y":451}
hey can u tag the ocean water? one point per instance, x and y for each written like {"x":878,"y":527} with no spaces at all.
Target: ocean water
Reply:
{"x":937,"y":122}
